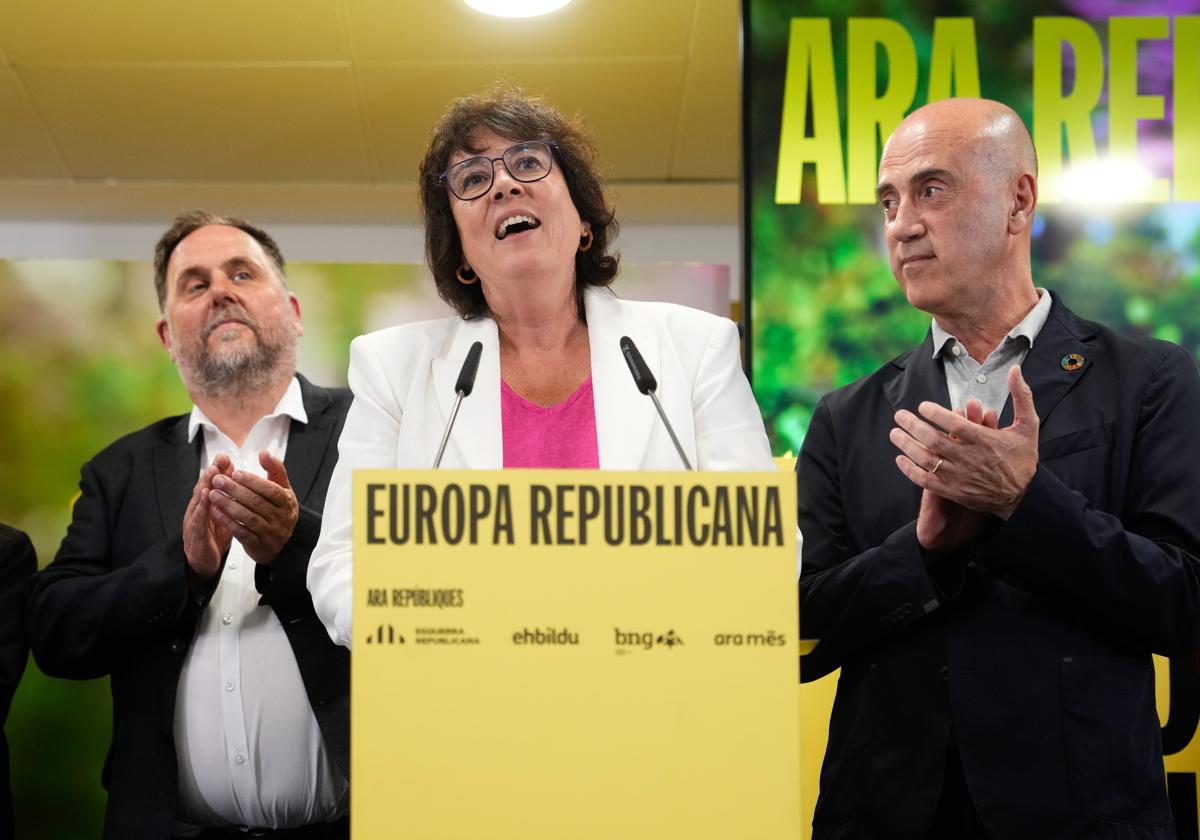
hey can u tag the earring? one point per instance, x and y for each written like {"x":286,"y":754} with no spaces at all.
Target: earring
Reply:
{"x":465,"y":275}
{"x":585,"y":241}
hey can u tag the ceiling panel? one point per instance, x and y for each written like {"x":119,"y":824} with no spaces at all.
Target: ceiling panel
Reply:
{"x":632,"y":126}
{"x":28,"y":150}
{"x":387,"y":31}
{"x":718,"y":23}
{"x":710,"y":123}
{"x":334,"y":99}
{"x":36,"y":31}
{"x":189,"y":123}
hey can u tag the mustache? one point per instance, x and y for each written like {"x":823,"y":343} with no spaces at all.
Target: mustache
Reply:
{"x":230,"y":312}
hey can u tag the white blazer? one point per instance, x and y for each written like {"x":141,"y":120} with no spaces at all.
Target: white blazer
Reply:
{"x":403,"y":382}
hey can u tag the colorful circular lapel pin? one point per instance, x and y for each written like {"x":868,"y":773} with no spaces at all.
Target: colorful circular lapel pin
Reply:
{"x":1072,"y":361}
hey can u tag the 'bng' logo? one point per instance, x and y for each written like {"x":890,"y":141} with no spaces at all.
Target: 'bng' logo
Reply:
{"x":626,"y":640}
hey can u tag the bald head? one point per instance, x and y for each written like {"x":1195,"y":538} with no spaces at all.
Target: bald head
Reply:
{"x":990,"y":129}
{"x":958,"y":187}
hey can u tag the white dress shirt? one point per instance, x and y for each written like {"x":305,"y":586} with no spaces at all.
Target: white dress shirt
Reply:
{"x":249,"y":749}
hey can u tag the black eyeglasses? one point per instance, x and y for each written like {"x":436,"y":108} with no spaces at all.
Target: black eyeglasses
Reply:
{"x":530,"y":161}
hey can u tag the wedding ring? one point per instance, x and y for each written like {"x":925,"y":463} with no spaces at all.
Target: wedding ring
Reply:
{"x":935,"y":466}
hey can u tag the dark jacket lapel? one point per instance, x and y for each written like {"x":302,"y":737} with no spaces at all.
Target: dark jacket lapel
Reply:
{"x":1063,"y":333}
{"x":920,"y":377}
{"x":176,"y":470}
{"x":308,"y":442}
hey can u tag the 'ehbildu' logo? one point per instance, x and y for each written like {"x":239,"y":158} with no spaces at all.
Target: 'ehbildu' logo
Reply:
{"x":545,"y":636}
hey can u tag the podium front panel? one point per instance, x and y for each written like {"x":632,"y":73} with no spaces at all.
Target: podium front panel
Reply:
{"x":574,"y":654}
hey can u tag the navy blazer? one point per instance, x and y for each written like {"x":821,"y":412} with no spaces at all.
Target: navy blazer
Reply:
{"x":1031,"y":649}
{"x":116,"y":601}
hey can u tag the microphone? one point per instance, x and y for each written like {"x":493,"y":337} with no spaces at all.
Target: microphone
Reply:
{"x":647,"y":384}
{"x":463,"y":387}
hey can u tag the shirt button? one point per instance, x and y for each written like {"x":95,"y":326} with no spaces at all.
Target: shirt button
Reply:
{"x":239,"y":758}
{"x":944,"y":673}
{"x":229,"y":685}
{"x":956,"y":350}
{"x":227,"y":618}
{"x":981,"y":379}
{"x":233,"y":564}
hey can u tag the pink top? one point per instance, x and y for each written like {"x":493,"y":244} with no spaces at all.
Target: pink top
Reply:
{"x":559,"y":436}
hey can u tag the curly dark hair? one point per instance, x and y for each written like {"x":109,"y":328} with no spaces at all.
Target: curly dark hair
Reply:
{"x":185,"y":224}
{"x":510,"y":113}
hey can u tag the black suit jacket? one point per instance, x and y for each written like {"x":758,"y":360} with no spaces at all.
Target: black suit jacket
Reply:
{"x":17,"y":564}
{"x":1032,"y":649}
{"x":116,"y":601}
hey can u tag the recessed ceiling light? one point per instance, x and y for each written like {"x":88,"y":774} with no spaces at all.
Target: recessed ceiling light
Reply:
{"x":516,"y":8}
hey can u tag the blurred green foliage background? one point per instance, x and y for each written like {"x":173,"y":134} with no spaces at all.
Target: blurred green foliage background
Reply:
{"x":80,"y":366}
{"x":825,"y":309}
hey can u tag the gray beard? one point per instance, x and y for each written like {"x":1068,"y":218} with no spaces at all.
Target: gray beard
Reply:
{"x":242,"y":373}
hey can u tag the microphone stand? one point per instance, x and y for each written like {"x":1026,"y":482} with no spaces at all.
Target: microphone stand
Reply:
{"x":647,"y":384}
{"x":464,"y":386}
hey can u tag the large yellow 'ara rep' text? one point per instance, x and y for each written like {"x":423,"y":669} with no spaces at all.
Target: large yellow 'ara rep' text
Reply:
{"x":1063,"y":128}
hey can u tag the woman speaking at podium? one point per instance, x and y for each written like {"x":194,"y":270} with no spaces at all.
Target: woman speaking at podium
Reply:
{"x":517,"y":235}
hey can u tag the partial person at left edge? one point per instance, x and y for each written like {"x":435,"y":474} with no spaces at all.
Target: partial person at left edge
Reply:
{"x":182,"y":574}
{"x":17,"y":563}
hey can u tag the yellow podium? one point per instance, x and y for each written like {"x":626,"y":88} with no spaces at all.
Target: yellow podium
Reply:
{"x":574,"y":654}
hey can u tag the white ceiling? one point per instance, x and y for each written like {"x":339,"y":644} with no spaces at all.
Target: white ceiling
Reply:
{"x":318,"y":110}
